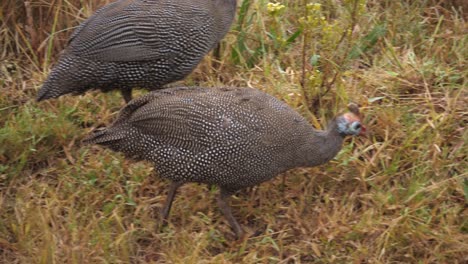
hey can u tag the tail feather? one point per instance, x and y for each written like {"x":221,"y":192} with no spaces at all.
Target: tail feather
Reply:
{"x":46,"y":92}
{"x":104,"y":136}
{"x":117,"y":138}
{"x":71,"y":75}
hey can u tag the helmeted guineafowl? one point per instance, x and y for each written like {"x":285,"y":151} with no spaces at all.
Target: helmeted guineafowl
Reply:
{"x":230,"y":137}
{"x":138,"y":43}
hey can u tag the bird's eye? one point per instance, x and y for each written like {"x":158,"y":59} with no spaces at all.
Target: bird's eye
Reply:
{"x":356,"y":126}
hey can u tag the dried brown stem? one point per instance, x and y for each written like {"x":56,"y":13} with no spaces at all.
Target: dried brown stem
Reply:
{"x":30,"y":25}
{"x":328,"y":85}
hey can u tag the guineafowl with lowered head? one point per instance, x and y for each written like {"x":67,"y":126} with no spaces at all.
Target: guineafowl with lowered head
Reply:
{"x":138,"y":43}
{"x":230,"y":137}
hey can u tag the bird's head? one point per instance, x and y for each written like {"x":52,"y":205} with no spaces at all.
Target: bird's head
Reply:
{"x":350,"y":124}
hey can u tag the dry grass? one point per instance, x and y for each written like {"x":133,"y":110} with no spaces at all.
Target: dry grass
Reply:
{"x":399,"y":196}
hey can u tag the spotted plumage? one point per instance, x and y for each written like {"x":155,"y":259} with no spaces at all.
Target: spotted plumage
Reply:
{"x":230,"y":137}
{"x":138,"y":43}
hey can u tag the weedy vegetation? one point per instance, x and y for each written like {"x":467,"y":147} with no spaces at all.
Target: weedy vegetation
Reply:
{"x":398,"y":196}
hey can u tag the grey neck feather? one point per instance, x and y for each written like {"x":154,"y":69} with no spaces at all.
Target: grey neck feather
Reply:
{"x":321,"y":146}
{"x":232,"y":4}
{"x":227,"y":9}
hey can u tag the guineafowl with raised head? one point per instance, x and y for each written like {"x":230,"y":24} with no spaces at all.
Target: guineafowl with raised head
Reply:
{"x":230,"y":137}
{"x":138,"y":43}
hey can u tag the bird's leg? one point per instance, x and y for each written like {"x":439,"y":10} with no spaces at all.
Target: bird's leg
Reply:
{"x":217,"y":56}
{"x":170,"y":198}
{"x":127,"y":94}
{"x":283,"y":185}
{"x":223,"y":203}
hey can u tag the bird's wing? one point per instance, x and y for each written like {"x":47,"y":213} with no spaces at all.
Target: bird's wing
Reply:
{"x":139,"y":31}
{"x":197,"y":119}
{"x":174,"y":121}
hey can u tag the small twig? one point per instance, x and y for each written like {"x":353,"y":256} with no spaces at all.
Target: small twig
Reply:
{"x":315,"y":102}
{"x":304,"y":51}
{"x":303,"y":83}
{"x":30,"y":24}
{"x":328,"y":85}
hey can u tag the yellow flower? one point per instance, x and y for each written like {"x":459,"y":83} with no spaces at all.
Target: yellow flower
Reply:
{"x":275,"y":8}
{"x":314,"y":6}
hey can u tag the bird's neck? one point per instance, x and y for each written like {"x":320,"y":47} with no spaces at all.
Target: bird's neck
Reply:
{"x":321,"y":146}
{"x":229,"y":9}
